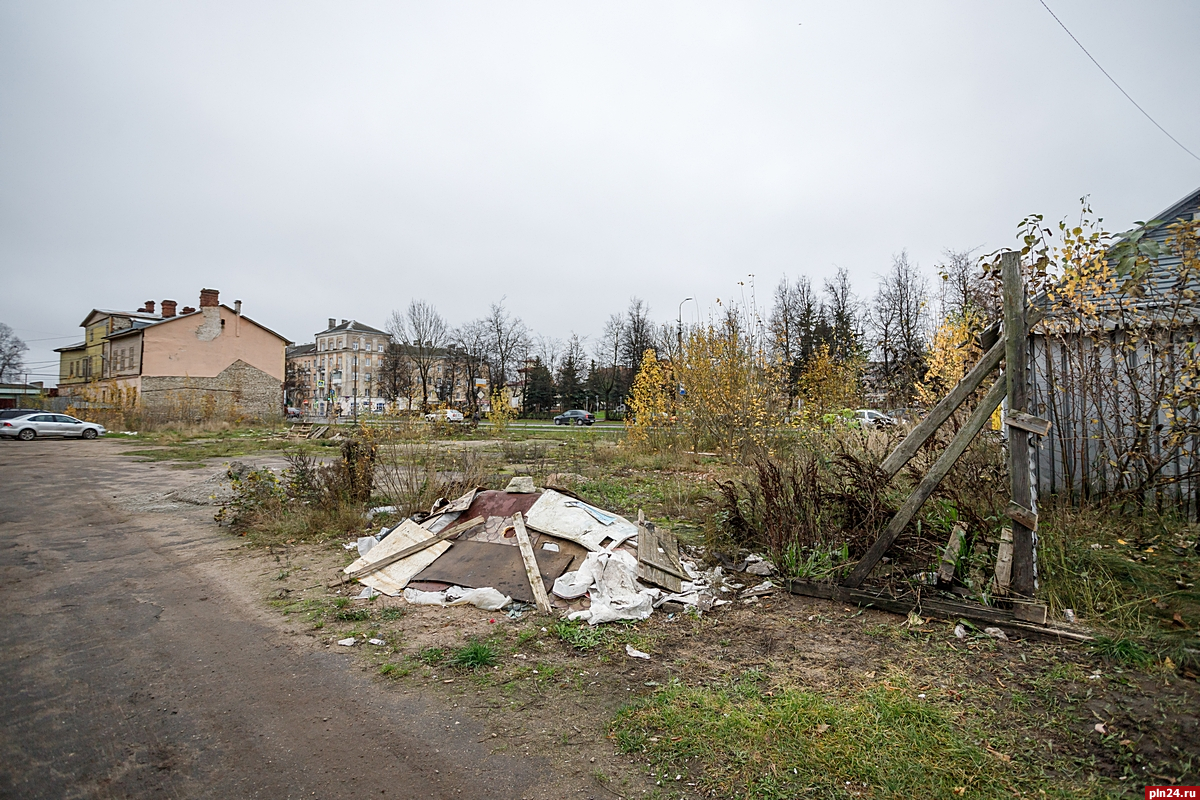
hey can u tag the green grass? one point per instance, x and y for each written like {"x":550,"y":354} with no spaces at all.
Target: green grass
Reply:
{"x":579,"y":635}
{"x":353,"y":615}
{"x":746,"y":740}
{"x":474,"y":655}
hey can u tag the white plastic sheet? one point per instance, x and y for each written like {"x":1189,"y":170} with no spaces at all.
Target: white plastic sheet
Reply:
{"x":487,"y":598}
{"x":567,"y":518}
{"x":615,"y":592}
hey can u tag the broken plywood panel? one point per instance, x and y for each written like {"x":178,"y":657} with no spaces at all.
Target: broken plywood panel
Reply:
{"x":658,"y":559}
{"x":392,"y":579}
{"x":568,"y":518}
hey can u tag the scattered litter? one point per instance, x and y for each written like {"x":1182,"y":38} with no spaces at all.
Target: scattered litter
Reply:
{"x":757,"y":565}
{"x":764,"y":588}
{"x":376,"y":642}
{"x":1100,"y":728}
{"x":633,"y":652}
{"x":960,"y":632}
{"x":367,"y":594}
{"x":350,"y":546}
{"x":1069,"y":615}
{"x":347,"y":642}
{"x":364,"y":544}
{"x":374,"y":512}
{"x":550,"y":546}
{"x":996,"y":633}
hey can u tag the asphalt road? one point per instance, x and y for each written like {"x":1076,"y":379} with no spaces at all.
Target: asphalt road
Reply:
{"x":137,"y":660}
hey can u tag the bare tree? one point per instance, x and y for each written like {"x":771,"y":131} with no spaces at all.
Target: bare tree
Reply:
{"x":639,"y":335}
{"x":508,"y":341}
{"x":901,"y":322}
{"x":797,"y":326}
{"x":423,"y":332}
{"x":471,"y":348}
{"x":606,"y":373}
{"x":396,"y":376}
{"x":549,"y":350}
{"x":12,"y":355}
{"x":967,"y":294}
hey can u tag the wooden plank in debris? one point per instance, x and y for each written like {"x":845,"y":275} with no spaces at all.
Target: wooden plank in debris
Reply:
{"x":318,"y":432}
{"x":1018,"y":513}
{"x":1030,"y":612}
{"x":531,"y":566}
{"x":1003,"y":573}
{"x":951,"y":553}
{"x":941,"y":467}
{"x":658,"y":558}
{"x":452,"y":531}
{"x":932,"y":607}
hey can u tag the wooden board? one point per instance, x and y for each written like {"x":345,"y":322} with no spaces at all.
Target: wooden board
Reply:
{"x":540,"y":597}
{"x":392,"y":578}
{"x":480,"y":564}
{"x":1017,"y":513}
{"x":1001,"y":618}
{"x":1028,"y":422}
{"x":658,"y":559}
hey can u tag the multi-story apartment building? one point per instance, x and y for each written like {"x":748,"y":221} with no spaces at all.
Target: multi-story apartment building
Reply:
{"x":339,"y":372}
{"x":344,"y":370}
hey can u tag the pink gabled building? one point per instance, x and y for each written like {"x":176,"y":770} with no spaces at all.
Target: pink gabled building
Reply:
{"x":207,"y":361}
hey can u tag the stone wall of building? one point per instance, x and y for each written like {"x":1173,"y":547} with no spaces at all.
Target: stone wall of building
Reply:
{"x":240,"y":391}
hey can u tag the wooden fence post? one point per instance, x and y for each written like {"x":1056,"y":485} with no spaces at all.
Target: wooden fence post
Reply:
{"x":1016,"y":342}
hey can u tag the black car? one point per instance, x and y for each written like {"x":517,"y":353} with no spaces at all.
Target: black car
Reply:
{"x":574,"y":416}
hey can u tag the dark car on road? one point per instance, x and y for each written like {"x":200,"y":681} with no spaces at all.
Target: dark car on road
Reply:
{"x":42,"y":424}
{"x":574,"y":417}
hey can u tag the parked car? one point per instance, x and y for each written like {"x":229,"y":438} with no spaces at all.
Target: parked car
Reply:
{"x":40,"y":423}
{"x":870,"y":418}
{"x":444,"y":415}
{"x":574,"y":417}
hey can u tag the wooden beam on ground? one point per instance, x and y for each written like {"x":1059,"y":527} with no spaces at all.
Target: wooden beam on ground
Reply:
{"x":1016,"y":343}
{"x":935,"y":607}
{"x":912,"y":505}
{"x":1003,"y":564}
{"x":449,"y":533}
{"x":531,"y":566}
{"x":1027,"y":422}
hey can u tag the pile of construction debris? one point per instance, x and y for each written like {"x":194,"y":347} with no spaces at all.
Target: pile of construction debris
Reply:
{"x":525,"y":548}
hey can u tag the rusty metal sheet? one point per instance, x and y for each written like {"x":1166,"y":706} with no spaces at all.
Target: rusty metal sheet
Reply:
{"x":492,"y":503}
{"x":479,"y":564}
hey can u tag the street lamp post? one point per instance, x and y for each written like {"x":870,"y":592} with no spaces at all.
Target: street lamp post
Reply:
{"x":679,"y":328}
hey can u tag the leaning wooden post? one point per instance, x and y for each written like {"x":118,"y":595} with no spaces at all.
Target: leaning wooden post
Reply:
{"x":1021,"y":509}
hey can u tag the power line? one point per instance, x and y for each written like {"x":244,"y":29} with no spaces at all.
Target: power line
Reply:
{"x":1114,"y":82}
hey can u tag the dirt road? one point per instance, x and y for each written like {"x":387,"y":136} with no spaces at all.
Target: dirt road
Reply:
{"x":137,"y":660}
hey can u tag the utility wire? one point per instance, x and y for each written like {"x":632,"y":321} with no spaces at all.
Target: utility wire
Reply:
{"x":1114,"y":82}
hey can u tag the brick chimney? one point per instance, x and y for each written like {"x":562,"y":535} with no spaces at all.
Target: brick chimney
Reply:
{"x":188,"y":310}
{"x":168,"y":308}
{"x":149,"y":307}
{"x":208,"y":297}
{"x":332,"y":323}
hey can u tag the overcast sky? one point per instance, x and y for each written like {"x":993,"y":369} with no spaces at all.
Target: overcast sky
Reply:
{"x":326,"y":159}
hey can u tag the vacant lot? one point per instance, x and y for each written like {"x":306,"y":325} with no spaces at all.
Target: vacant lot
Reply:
{"x":788,"y":697}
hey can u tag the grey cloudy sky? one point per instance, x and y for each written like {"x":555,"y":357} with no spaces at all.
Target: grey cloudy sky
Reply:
{"x":337,"y":159}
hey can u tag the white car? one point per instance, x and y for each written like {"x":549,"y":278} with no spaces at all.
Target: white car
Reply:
{"x":444,"y":415}
{"x":870,"y":418}
{"x":43,"y":424}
